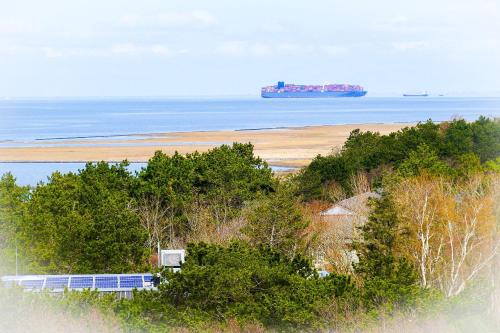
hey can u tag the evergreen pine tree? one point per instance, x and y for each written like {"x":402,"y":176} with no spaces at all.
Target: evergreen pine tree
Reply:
{"x":389,"y":279}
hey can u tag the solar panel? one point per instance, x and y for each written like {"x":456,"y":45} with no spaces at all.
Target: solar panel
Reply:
{"x":57,"y":282}
{"x":32,"y":284}
{"x":81,"y":282}
{"x":130,"y":281}
{"x":106,"y":281}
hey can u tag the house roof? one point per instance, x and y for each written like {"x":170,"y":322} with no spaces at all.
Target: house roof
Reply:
{"x":337,"y":210}
{"x":355,"y":205}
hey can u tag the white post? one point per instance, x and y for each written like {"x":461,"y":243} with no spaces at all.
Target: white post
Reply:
{"x":159,"y":255}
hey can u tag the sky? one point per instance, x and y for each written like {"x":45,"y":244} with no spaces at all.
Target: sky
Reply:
{"x":61,"y":48}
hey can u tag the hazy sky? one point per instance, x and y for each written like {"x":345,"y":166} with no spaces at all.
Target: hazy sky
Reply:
{"x":233,"y":47}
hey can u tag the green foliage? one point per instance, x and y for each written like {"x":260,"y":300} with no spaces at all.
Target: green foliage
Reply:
{"x":486,"y":138}
{"x":170,"y":178}
{"x":493,"y":165}
{"x":13,"y":200}
{"x":457,"y":138}
{"x":367,"y":151}
{"x":233,"y":172}
{"x":322,"y":170}
{"x":389,"y":280}
{"x":88,"y":222}
{"x":221,"y":179}
{"x":310,"y":182}
{"x":83,"y":223}
{"x":362,"y":150}
{"x":468,"y":165}
{"x":424,"y":160}
{"x":409,"y":138}
{"x":253,"y":284}
{"x":277,"y":221}
{"x":444,"y":147}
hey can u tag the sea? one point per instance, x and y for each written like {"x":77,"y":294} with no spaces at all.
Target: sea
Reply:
{"x":26,"y":120}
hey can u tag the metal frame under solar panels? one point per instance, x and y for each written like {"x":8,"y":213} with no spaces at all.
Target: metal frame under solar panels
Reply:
{"x":99,"y":282}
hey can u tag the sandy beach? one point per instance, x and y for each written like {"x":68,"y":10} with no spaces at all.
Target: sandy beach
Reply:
{"x":292,"y":147}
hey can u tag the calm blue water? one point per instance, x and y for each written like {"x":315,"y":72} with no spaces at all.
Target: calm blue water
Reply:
{"x":34,"y":120}
{"x":27,"y":120}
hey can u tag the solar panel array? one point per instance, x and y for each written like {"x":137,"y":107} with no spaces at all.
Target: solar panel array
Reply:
{"x":100,"y":282}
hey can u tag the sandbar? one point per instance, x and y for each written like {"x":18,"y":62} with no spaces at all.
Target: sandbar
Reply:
{"x":290,"y":147}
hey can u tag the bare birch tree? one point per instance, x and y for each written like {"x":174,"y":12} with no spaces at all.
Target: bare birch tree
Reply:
{"x":157,"y":219}
{"x":473,"y":240}
{"x":452,"y":231}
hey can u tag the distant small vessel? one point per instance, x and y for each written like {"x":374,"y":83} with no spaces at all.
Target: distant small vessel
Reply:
{"x":282,"y":90}
{"x":424,"y":94}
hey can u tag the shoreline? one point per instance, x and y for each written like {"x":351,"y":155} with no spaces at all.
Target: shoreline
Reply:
{"x":282,"y":146}
{"x":162,"y":134}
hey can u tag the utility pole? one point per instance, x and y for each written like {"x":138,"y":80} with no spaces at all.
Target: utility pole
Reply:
{"x":159,"y":255}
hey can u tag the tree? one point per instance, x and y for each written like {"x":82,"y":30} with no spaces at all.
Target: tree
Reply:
{"x":423,"y":160}
{"x":169,"y":178}
{"x":452,"y":232}
{"x":435,"y":148}
{"x":468,"y":165}
{"x":277,"y":221}
{"x":409,"y":138}
{"x":486,"y":138}
{"x":322,"y":171}
{"x":220,"y":180}
{"x":388,"y":277}
{"x":458,"y":138}
{"x":363,"y":150}
{"x":157,"y":219}
{"x":84,"y":223}
{"x":251,"y":283}
{"x":230,"y":176}
{"x":13,"y":200}
{"x":493,"y":165}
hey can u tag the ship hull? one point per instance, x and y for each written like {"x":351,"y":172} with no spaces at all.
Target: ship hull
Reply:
{"x":313,"y":94}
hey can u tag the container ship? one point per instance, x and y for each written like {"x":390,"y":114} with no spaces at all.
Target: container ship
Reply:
{"x":282,"y":90}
